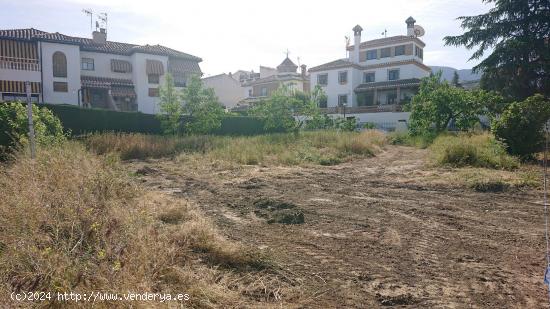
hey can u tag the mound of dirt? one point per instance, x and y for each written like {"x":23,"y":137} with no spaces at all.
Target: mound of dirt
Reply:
{"x":274,"y":211}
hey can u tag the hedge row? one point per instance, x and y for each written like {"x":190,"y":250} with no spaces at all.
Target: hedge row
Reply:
{"x":81,"y":121}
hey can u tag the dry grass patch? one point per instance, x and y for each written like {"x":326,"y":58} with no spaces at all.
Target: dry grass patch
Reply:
{"x":319,"y":147}
{"x":71,"y":221}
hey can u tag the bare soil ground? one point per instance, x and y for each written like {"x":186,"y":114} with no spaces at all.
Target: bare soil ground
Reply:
{"x":383,"y":231}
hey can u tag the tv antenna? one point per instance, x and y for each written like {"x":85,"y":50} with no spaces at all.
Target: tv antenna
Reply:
{"x":103,"y":19}
{"x":90,"y":13}
{"x":385,"y":33}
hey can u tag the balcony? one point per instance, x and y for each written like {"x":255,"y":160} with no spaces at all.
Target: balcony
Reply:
{"x":363,"y":109}
{"x":21,"y":64}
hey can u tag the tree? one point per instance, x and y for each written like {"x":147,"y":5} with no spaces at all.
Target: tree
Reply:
{"x":171,"y":107}
{"x":14,"y":127}
{"x":456,"y":80}
{"x":518,"y":32}
{"x":437,"y":103}
{"x":289,"y":109}
{"x":202,"y":107}
{"x":521,"y":125}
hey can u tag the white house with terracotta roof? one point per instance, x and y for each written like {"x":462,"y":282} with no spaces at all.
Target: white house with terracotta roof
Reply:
{"x":270,"y":79}
{"x":88,"y":72}
{"x":376,"y":79}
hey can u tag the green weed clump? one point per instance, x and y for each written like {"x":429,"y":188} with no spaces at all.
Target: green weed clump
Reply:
{"x":475,"y":150}
{"x":318,"y":147}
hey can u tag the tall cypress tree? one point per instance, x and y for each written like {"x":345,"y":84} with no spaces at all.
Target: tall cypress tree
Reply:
{"x":518,"y":31}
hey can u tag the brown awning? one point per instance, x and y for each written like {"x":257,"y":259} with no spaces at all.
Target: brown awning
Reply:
{"x":121,"y":66}
{"x":123,"y":92}
{"x":154,"y":67}
{"x":12,"y":86}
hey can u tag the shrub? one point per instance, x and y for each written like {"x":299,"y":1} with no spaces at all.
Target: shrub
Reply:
{"x":419,"y":140}
{"x":481,"y":150}
{"x":14,"y":127}
{"x":521,"y":125}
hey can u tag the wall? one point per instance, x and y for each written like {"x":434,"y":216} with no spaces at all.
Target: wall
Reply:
{"x":385,"y":121}
{"x":102,"y":65}
{"x":227,"y":89}
{"x":333,"y":88}
{"x":146,"y":104}
{"x":72,"y":53}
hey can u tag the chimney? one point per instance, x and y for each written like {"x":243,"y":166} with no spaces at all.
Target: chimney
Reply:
{"x":410,"y":26}
{"x":100,"y":37}
{"x":356,"y":43}
{"x":304,"y":71}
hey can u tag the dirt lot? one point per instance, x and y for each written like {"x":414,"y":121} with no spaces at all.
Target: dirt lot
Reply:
{"x":384,"y":231}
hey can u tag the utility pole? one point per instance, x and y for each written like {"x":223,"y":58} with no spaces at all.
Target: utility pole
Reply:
{"x":29,"y":115}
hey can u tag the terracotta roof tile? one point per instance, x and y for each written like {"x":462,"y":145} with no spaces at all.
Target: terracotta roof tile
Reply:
{"x":89,"y":45}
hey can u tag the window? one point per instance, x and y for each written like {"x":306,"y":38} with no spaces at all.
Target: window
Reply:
{"x":342,"y":99}
{"x":153,"y":92}
{"x":180,"y":80}
{"x":385,"y":52}
{"x":418,"y":52}
{"x":59,"y":64}
{"x":323,"y":101}
{"x":322,"y":79}
{"x":371,"y":54}
{"x":87,"y":64}
{"x":60,"y":87}
{"x":393,"y":74}
{"x":153,"y":78}
{"x":264,"y":92}
{"x":343,"y":77}
{"x":399,"y":50}
{"x":249,"y":92}
{"x":368,"y":77}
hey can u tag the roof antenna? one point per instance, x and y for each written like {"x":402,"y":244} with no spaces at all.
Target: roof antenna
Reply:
{"x":90,"y":13}
{"x":103,"y":19}
{"x":385,"y":33}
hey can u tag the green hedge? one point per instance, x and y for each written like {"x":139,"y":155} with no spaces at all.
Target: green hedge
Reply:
{"x":83,"y":120}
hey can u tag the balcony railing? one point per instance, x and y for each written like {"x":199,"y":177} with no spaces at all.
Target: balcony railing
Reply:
{"x":363,"y":109}
{"x":23,"y":64}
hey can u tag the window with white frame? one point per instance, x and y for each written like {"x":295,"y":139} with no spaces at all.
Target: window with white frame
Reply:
{"x":322,"y":79}
{"x":264,"y":92}
{"x":393,"y":74}
{"x":369,"y":77}
{"x":385,"y":52}
{"x":371,"y":54}
{"x":418,"y":52}
{"x":400,"y":50}
{"x":87,"y":64}
{"x":343,"y":77}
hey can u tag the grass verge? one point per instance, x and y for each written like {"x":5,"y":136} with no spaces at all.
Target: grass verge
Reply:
{"x":72,"y":221}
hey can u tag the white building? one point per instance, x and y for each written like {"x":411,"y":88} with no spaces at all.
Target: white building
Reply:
{"x":227,"y":89}
{"x":88,"y":72}
{"x":376,"y":79}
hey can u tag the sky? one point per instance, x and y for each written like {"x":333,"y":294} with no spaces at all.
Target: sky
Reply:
{"x":244,"y":34}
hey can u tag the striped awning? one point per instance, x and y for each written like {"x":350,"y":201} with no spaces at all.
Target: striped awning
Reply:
{"x":23,"y":51}
{"x":125,"y":92}
{"x":11,"y":86}
{"x":183,"y":66}
{"x":121,"y":66}
{"x":154,"y":67}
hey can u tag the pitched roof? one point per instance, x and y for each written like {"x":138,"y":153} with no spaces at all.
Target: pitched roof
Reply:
{"x":20,"y":34}
{"x":277,"y":77}
{"x":389,"y":40}
{"x":89,"y":44}
{"x":287,"y":62}
{"x":340,"y":63}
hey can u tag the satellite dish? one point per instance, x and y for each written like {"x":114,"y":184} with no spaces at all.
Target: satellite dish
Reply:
{"x":419,"y":31}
